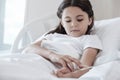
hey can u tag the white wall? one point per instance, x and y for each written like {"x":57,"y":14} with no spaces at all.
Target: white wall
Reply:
{"x":105,"y":9}
{"x":40,"y":8}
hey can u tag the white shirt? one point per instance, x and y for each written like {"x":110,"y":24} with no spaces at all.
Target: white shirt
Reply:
{"x":68,"y":45}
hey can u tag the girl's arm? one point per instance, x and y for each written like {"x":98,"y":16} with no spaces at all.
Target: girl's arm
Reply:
{"x":87,"y":60}
{"x":62,"y":60}
{"x":35,"y":48}
{"x":89,"y":56}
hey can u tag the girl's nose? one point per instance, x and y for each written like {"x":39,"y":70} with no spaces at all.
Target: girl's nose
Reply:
{"x":74,"y":24}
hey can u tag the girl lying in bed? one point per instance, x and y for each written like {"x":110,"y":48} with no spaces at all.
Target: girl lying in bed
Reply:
{"x":70,"y":47}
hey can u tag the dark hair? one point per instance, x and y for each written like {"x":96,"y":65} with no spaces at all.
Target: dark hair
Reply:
{"x":85,"y":5}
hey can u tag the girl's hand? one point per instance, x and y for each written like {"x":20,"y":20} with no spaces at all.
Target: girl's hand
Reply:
{"x":63,"y":70}
{"x":66,"y":74}
{"x":65,"y":61}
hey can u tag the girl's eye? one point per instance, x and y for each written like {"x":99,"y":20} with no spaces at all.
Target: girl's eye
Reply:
{"x":68,"y":21}
{"x":79,"y":20}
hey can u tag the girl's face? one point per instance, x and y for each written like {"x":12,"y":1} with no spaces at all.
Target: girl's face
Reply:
{"x":75,"y":21}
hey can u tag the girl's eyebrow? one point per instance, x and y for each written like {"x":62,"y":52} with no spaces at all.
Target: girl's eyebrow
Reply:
{"x":76,"y":16}
{"x":79,"y":16}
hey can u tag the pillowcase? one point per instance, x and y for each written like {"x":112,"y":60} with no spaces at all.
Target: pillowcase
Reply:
{"x":109,"y":33}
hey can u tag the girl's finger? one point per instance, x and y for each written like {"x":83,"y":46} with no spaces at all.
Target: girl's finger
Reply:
{"x":68,"y":75}
{"x":62,"y":62}
{"x":69,"y":63}
{"x":76,"y":61}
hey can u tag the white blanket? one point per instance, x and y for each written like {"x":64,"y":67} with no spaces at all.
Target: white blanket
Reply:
{"x":34,"y":67}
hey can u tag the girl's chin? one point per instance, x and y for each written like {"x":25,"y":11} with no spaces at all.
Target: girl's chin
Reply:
{"x":75,"y":35}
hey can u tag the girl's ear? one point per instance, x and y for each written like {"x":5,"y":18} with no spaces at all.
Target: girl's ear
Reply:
{"x":90,"y":21}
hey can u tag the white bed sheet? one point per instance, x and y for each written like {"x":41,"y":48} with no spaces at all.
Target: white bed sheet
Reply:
{"x":34,"y":67}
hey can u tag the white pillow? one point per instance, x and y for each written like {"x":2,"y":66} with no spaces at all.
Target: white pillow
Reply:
{"x":109,"y":32}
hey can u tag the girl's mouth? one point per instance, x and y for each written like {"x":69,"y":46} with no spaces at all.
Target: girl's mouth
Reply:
{"x":75,"y":30}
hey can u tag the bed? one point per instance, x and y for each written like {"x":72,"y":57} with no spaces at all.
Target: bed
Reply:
{"x":17,"y":66}
{"x":34,"y":67}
